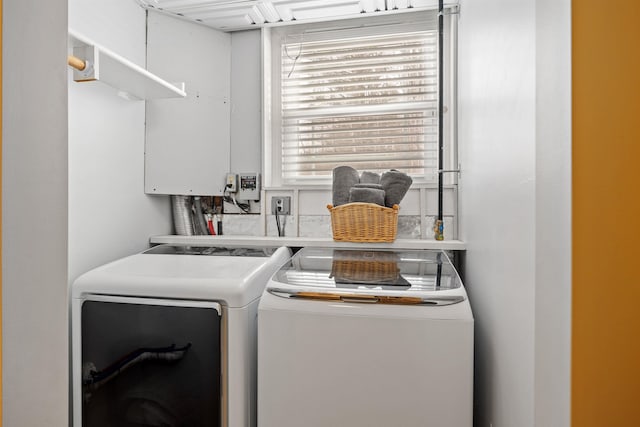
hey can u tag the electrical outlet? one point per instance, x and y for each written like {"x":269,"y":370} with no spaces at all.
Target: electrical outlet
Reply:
{"x":281,"y":204}
{"x":231,"y":185}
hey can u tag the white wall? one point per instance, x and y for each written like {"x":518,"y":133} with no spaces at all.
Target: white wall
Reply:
{"x":514,"y":140}
{"x":34,"y":217}
{"x":553,"y":214}
{"x":109,"y":214}
{"x":497,"y":201}
{"x":246,"y":101}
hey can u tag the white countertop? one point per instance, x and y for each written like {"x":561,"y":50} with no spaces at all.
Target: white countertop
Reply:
{"x":321,"y":242}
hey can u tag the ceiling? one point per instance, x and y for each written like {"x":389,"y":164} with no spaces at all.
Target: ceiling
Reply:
{"x":233,"y":15}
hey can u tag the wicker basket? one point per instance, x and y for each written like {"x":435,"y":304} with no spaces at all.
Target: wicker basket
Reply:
{"x":364,"y":222}
{"x":373,"y":267}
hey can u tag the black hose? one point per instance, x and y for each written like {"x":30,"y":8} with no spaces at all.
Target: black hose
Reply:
{"x":280,"y":233}
{"x":439,"y":271}
{"x":167,"y":354}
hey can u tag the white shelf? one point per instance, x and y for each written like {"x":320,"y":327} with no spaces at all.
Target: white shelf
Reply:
{"x":131,"y":80}
{"x":320,"y":242}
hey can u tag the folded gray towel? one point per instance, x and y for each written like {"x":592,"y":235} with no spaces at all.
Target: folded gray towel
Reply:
{"x":344,"y":177}
{"x":395,"y":185}
{"x":367,"y":195}
{"x":361,"y":185}
{"x":367,"y":177}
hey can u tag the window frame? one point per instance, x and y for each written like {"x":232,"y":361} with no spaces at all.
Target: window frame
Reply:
{"x":272,"y":39}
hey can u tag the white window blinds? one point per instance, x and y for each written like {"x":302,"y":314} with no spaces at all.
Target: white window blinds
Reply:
{"x":369,"y":101}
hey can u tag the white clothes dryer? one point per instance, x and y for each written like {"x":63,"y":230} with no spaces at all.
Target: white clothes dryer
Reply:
{"x":365,"y":338}
{"x":169,"y":336}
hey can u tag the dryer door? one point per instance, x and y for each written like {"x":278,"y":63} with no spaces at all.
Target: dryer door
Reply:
{"x":149,"y":362}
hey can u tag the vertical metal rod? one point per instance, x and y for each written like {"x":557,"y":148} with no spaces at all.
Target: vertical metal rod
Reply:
{"x":440,"y":104}
{"x":438,"y":227}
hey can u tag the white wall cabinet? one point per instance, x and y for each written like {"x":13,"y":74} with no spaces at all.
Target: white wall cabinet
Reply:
{"x":187,"y":147}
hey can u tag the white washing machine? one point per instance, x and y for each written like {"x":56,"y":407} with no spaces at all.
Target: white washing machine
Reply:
{"x":365,"y":338}
{"x":168,"y":337}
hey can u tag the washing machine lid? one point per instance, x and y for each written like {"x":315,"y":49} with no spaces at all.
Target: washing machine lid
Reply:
{"x":416,"y":277}
{"x":254,"y":252}
{"x":233,"y":280}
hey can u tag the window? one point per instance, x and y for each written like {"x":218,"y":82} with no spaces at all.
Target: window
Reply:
{"x":363,"y":94}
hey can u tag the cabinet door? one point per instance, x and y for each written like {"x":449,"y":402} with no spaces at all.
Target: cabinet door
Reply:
{"x":150,"y":364}
{"x":188,"y":140}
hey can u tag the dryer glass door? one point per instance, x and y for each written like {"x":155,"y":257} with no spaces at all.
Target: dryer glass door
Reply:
{"x":149,"y":362}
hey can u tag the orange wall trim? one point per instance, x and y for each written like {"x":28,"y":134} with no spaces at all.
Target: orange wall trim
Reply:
{"x":1,"y":213}
{"x":606,"y":213}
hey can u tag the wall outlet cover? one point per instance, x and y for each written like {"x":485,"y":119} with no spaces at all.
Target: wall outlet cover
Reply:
{"x":281,"y":204}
